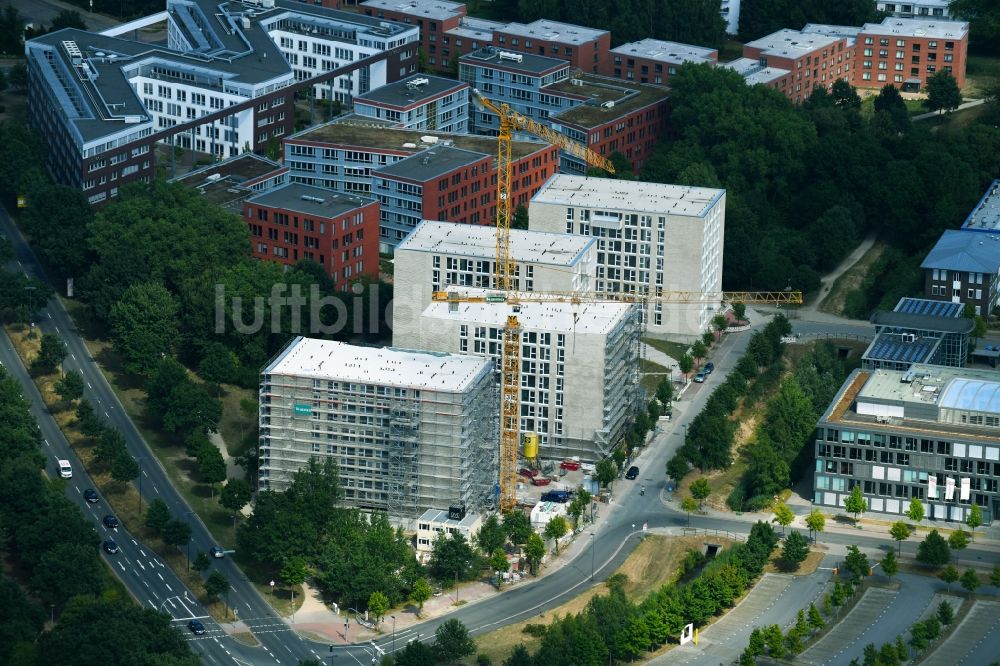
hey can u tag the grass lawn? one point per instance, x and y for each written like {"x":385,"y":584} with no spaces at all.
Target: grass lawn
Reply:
{"x":913,"y":106}
{"x":980,"y":73}
{"x":652,"y":375}
{"x":850,"y":280}
{"x":651,"y":565}
{"x":672,"y":349}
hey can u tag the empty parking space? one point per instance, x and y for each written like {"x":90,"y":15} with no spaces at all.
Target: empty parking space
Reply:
{"x":974,"y":641}
{"x":869,"y":609}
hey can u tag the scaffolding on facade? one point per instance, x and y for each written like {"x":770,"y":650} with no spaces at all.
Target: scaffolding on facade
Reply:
{"x":403,"y":444}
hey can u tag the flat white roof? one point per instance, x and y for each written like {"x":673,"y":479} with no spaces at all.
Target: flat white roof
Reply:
{"x":477,"y":28}
{"x":792,"y":43}
{"x":918,"y":28}
{"x":753,"y":73}
{"x":582,"y":318}
{"x":435,"y":9}
{"x":668,"y":52}
{"x":848,"y":32}
{"x":627,"y":195}
{"x":386,"y":366}
{"x":469,"y":240}
{"x":554,"y":31}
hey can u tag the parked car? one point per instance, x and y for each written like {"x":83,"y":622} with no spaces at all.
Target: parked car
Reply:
{"x":65,"y":470}
{"x":196,"y":627}
{"x":700,"y":377}
{"x":632,"y":472}
{"x":217,"y":552}
{"x":110,"y":521}
{"x":541,"y":481}
{"x":91,"y":496}
{"x":709,"y":367}
{"x":560,"y":496}
{"x":570,"y":465}
{"x":110,"y":546}
{"x":530,"y":473}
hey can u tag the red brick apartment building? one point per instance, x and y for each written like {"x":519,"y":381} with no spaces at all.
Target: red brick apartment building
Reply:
{"x":800,"y":61}
{"x":433,"y":17}
{"x":356,"y":158}
{"x":907,"y":52}
{"x":337,"y":231}
{"x":654,"y":61}
{"x":586,"y":49}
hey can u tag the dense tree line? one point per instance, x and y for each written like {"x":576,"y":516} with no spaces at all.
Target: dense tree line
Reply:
{"x":783,"y":441}
{"x":984,"y":23}
{"x":686,"y":21}
{"x":55,"y":551}
{"x":762,"y":17}
{"x":805,"y":184}
{"x":709,"y":440}
{"x":613,"y":625}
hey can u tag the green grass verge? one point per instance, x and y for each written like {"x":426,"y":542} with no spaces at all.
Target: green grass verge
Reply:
{"x":672,"y":349}
{"x":652,"y":375}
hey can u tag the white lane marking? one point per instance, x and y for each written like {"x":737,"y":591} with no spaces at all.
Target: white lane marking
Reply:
{"x":73,"y":355}
{"x":135,"y":543}
{"x":171,"y":602}
{"x":160,"y":575}
{"x":141,"y":565}
{"x":77,"y":489}
{"x":142,"y":552}
{"x":122,"y":567}
{"x":155,"y":607}
{"x":155,"y":489}
{"x":47,"y":443}
{"x":89,"y":385}
{"x":144,"y":474}
{"x":48,"y":313}
{"x":168,"y":586}
{"x":106,"y":414}
{"x":247,"y":605}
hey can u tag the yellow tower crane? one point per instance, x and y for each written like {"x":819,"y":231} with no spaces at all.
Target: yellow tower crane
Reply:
{"x":510,"y":363}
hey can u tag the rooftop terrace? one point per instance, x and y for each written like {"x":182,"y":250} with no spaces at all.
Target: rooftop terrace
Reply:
{"x":467,"y":240}
{"x":623,"y":97}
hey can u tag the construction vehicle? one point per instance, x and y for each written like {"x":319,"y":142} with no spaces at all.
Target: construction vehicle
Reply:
{"x":504,"y":269}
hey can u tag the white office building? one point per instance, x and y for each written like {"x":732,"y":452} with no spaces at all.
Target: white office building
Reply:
{"x":579,"y":363}
{"x":409,"y":430}
{"x":652,"y":239}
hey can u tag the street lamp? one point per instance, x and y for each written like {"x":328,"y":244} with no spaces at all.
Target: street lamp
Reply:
{"x":187,"y":519}
{"x":393,"y":632}
{"x":138,"y":461}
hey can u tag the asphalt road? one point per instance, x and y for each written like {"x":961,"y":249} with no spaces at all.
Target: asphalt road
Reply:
{"x":41,"y":12}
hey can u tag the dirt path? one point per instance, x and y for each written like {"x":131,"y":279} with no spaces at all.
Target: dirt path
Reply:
{"x":828,"y":280}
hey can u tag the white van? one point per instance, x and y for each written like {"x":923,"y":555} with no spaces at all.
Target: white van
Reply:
{"x":65,"y":471}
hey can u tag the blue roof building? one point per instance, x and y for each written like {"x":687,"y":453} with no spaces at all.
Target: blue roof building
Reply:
{"x":964,"y":265}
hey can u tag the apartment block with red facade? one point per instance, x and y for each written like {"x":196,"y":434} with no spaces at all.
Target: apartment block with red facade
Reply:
{"x":348,"y":156}
{"x":609,"y":116}
{"x":654,"y":60}
{"x":907,"y":52}
{"x":337,"y":231}
{"x":811,"y":59}
{"x":433,"y":17}
{"x":586,"y":49}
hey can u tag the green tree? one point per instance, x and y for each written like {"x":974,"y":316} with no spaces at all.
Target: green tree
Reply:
{"x":491,"y":535}
{"x":845,"y":95}
{"x":890,"y":104}
{"x":775,"y":641}
{"x":984,"y":28}
{"x":452,"y":641}
{"x":958,"y":540}
{"x":815,"y":521}
{"x":783,"y":515}
{"x":216,"y":584}
{"x":176,"y":533}
{"x":124,"y":467}
{"x":606,"y":471}
{"x":933,"y":550}
{"x":698,"y":350}
{"x":857,"y":562}
{"x":974,"y":519}
{"x":815,"y":619}
{"x":144,"y":325}
{"x":700,"y":490}
{"x":949,"y":575}
{"x":421,"y":593}
{"x":293,"y":573}
{"x":499,"y":563}
{"x":534,"y":551}
{"x":685,"y":364}
{"x":211,"y":466}
{"x":188,"y":408}
{"x":916,"y":510}
{"x":70,"y":387}
{"x":890,"y":565}
{"x":451,"y":557}
{"x":520,"y":218}
{"x":555,"y":529}
{"x":378,"y":606}
{"x":943,"y":93}
{"x":689,"y":505}
{"x":796,"y":550}
{"x":970,"y":580}
{"x":995,"y":576}
{"x":50,"y":355}
{"x":157,"y":515}
{"x":855,"y":503}
{"x":899,"y":531}
{"x":68,"y":18}
{"x":708,"y":338}
{"x":720,"y":323}
{"x":945,"y":613}
{"x":110,"y":445}
{"x":416,"y":653}
{"x":235,"y":495}
{"x":201,"y":562}
{"x":218,"y":364}
{"x":517,"y":526}
{"x":66,"y":570}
